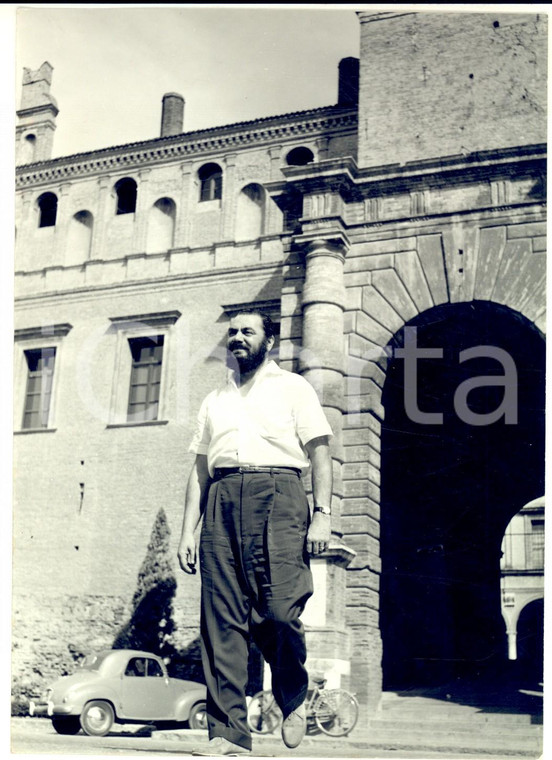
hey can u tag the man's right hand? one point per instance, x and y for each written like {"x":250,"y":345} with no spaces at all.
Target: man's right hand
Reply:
{"x":187,"y":554}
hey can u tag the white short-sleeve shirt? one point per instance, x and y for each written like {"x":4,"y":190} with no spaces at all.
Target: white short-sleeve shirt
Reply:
{"x":269,"y":426}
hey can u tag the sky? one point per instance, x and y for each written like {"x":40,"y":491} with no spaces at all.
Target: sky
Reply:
{"x":112,"y":65}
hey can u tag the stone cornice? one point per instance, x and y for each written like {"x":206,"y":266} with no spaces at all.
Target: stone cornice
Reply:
{"x":155,"y":319}
{"x":353,"y":183}
{"x":33,"y":110}
{"x":270,"y":305}
{"x":188,"y":145}
{"x":59,"y":330}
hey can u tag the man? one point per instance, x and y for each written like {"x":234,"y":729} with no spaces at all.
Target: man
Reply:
{"x":254,"y":438}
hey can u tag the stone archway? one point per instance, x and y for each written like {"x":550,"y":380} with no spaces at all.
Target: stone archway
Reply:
{"x":392,"y":277}
{"x":448,"y":491}
{"x":530,"y":644}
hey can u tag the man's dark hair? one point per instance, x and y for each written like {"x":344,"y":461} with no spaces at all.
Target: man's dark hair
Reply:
{"x":268,"y":325}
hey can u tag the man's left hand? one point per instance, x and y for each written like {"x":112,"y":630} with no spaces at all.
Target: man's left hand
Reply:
{"x":318,"y":536}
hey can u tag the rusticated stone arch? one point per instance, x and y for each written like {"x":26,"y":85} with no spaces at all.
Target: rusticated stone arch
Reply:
{"x":390,"y":282}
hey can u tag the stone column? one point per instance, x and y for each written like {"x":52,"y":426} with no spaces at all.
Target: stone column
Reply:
{"x":322,"y":363}
{"x":512,"y":645}
{"x":322,"y":359}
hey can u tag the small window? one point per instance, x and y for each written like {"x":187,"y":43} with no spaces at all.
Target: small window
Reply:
{"x":154,"y":669}
{"x":136,"y":668}
{"x":145,"y":378}
{"x":210,"y":177}
{"x":537,"y":544}
{"x":38,"y":394}
{"x":126,"y":190}
{"x":299,"y":157}
{"x":47,"y":205}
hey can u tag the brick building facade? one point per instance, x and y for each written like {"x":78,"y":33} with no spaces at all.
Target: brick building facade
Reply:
{"x":413,"y":207}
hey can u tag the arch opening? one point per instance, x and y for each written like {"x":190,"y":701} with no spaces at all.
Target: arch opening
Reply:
{"x":300,"y":156}
{"x":47,"y":207}
{"x":530,"y":644}
{"x":79,"y":238}
{"x":161,"y":221}
{"x":250,"y":215}
{"x":210,"y":178}
{"x":448,"y":492}
{"x":126,"y":190}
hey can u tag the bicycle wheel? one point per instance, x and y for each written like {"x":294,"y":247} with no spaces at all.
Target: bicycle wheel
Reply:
{"x":263,"y":714}
{"x":336,"y":712}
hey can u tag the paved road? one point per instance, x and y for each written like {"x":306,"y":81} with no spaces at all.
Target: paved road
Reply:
{"x":35,"y":736}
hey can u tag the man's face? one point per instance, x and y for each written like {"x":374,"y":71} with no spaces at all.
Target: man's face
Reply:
{"x":247,"y":341}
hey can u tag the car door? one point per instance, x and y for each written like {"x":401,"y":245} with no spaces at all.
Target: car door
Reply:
{"x":146,"y":693}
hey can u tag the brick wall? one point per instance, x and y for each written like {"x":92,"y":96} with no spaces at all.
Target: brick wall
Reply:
{"x":438,"y":84}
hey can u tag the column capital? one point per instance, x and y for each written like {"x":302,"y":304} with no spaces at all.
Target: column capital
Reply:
{"x":335,"y":244}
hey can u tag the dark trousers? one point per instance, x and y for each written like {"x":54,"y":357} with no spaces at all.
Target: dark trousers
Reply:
{"x":255,"y":580}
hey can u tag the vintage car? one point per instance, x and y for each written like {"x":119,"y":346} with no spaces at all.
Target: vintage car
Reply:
{"x":121,"y":686}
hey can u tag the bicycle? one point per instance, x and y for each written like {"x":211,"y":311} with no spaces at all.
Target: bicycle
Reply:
{"x":334,"y":712}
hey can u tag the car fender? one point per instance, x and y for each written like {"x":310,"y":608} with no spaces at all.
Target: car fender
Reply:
{"x":107,"y":694}
{"x":185,"y":702}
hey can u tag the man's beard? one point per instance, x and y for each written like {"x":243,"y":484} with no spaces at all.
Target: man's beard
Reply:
{"x":250,"y":361}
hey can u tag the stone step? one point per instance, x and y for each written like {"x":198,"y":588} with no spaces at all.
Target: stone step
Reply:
{"x":460,"y":713}
{"x":482,"y":727}
{"x":528,"y":743}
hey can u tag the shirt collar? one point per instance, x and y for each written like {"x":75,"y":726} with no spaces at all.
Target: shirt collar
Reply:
{"x":270,"y":368}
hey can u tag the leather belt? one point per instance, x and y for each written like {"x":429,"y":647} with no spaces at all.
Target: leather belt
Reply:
{"x":221,"y":472}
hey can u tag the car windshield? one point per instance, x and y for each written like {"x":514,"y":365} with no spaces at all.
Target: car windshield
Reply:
{"x":93,"y":661}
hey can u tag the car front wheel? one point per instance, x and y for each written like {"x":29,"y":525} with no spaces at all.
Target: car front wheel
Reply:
{"x":97,"y":718}
{"x":198,"y":716}
{"x":66,"y":724}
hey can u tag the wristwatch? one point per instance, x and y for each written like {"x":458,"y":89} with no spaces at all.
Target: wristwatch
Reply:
{"x":324,"y":510}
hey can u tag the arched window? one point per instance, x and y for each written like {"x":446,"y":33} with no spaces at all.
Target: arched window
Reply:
{"x":126,"y":190}
{"x":210,"y":177}
{"x":300,"y":157}
{"x":161,"y":226}
{"x":47,"y":206}
{"x":28,"y":149}
{"x":250,"y":216}
{"x":79,"y":238}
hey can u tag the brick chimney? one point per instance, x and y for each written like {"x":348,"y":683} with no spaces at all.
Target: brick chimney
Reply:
{"x":348,"y":82}
{"x":172,"y":118}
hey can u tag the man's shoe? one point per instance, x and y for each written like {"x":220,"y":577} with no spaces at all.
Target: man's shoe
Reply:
{"x":294,"y":727}
{"x":220,"y":747}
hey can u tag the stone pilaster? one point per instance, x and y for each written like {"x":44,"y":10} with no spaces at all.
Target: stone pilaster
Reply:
{"x":228,"y":217}
{"x":106,"y":206}
{"x":62,"y":224}
{"x":182,"y":231}
{"x":141,"y":217}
